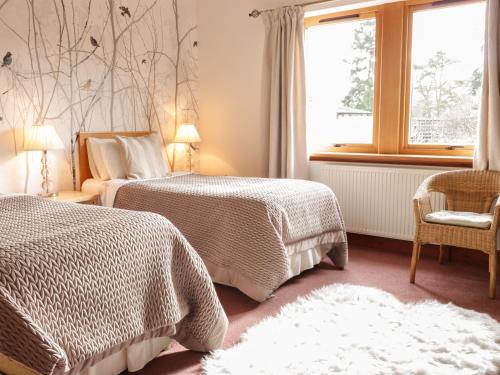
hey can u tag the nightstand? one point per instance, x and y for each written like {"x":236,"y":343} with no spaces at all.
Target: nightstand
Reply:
{"x":75,"y":197}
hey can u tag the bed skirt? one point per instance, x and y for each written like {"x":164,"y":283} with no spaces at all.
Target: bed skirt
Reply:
{"x":133,"y":359}
{"x":302,"y":256}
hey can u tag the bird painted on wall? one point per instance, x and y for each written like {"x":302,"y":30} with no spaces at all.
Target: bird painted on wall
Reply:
{"x":195,"y":44}
{"x":7,"y":59}
{"x":144,"y":61}
{"x":87,"y":85}
{"x":94,"y":42}
{"x":125,"y":11}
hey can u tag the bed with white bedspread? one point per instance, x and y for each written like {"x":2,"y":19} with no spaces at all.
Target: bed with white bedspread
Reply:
{"x":252,"y":233}
{"x":80,"y":286}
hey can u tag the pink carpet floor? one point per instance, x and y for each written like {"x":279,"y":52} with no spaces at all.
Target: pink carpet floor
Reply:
{"x":464,"y":284}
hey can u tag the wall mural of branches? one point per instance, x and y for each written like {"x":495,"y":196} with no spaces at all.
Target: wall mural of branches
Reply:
{"x":93,"y":65}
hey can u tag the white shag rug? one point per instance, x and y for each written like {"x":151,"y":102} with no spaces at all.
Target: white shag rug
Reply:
{"x":347,"y":329}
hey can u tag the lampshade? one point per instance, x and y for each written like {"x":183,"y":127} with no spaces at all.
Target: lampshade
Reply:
{"x":42,"y":138}
{"x":187,"y":133}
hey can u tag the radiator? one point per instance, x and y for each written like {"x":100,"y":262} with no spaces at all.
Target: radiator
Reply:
{"x":376,"y":200}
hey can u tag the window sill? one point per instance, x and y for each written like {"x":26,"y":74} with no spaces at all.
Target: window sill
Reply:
{"x":400,"y":159}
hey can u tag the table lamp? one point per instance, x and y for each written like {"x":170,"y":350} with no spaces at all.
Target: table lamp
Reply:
{"x":187,"y":133}
{"x":43,"y":138}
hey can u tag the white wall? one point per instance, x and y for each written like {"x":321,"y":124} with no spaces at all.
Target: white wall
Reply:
{"x":233,"y":123}
{"x":232,"y":128}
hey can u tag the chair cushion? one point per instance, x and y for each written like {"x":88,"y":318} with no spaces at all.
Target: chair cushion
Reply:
{"x":462,"y":219}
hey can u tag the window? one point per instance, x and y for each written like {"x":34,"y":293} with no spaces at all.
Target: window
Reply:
{"x":341,"y":69}
{"x":399,"y":78}
{"x":446,"y":74}
{"x":341,"y":84}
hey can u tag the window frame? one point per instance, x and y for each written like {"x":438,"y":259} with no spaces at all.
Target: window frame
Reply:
{"x":425,"y":149}
{"x":392,"y":88}
{"x":346,"y":16}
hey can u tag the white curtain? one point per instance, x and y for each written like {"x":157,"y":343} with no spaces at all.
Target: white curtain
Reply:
{"x":488,"y":149}
{"x":285,"y":73}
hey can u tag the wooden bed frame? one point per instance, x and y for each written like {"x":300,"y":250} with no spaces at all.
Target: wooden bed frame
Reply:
{"x":9,"y":366}
{"x":85,"y":173}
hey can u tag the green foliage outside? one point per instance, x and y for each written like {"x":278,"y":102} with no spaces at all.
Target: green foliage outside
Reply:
{"x":360,"y":96}
{"x":436,"y":99}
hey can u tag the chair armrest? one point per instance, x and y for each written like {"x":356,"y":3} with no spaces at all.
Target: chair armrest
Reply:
{"x":422,"y":201}
{"x":496,"y":216}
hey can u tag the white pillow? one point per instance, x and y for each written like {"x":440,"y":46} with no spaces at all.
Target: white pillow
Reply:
{"x":105,"y":159}
{"x":142,"y":156}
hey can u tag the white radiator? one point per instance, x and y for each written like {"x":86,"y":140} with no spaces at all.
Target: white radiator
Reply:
{"x":376,"y":200}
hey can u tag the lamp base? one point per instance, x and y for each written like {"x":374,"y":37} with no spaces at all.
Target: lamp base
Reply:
{"x":46,"y":183}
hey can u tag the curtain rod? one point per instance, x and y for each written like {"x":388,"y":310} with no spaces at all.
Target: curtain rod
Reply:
{"x":256,"y":13}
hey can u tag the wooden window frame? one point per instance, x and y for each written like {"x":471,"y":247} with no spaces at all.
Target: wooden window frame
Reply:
{"x":392,"y":98}
{"x":346,"y":16}
{"x":424,"y":149}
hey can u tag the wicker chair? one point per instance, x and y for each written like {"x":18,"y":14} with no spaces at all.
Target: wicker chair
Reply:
{"x":466,"y":191}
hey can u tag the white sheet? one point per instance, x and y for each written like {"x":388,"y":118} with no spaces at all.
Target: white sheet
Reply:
{"x":107,"y":189}
{"x":133,"y":358}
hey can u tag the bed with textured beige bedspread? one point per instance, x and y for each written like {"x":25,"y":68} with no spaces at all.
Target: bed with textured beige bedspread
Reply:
{"x":79,"y":283}
{"x":247,"y":230}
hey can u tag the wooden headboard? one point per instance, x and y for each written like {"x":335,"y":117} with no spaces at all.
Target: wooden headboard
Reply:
{"x":85,"y":173}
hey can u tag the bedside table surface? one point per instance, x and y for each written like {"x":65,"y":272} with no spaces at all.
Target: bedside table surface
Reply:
{"x":74,"y":196}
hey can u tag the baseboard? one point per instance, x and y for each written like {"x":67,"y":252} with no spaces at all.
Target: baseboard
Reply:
{"x":405,"y":247}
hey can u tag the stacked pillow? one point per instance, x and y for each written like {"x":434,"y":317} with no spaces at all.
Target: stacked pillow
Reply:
{"x":105,"y":160}
{"x":126,"y":157}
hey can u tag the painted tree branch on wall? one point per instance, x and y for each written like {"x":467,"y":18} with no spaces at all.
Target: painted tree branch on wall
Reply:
{"x":86,"y":65}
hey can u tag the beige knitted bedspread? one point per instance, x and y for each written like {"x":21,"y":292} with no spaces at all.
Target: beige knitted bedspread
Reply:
{"x":244,"y":225}
{"x":78,"y":283}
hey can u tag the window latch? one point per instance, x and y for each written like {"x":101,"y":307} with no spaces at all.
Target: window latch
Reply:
{"x":338,"y":145}
{"x":451,"y":148}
